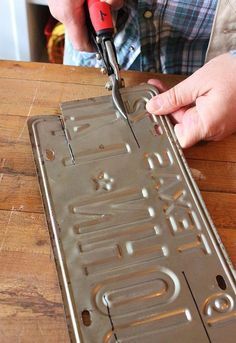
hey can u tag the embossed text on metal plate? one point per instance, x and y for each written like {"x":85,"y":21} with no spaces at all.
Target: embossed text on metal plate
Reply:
{"x":138,"y":257}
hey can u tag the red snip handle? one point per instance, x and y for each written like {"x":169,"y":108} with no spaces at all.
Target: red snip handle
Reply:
{"x":100,"y":15}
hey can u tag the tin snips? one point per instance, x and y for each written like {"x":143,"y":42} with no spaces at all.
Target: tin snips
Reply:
{"x":101,"y":31}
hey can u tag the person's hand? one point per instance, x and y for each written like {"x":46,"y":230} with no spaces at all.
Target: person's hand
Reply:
{"x":71,"y":14}
{"x":203,"y":106}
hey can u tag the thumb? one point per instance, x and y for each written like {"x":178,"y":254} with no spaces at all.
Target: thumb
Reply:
{"x":184,"y":93}
{"x":191,"y":129}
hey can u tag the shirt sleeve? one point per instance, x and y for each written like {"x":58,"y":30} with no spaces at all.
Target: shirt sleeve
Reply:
{"x":79,"y":58}
{"x":233,"y":52}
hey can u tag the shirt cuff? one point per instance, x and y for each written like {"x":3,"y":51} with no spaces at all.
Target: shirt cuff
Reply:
{"x":233,"y":52}
{"x":79,"y":58}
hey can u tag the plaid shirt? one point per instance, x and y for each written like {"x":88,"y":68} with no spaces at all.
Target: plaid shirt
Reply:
{"x":168,"y":36}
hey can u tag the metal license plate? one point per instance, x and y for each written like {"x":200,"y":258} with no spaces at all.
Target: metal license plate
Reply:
{"x":138,"y":257}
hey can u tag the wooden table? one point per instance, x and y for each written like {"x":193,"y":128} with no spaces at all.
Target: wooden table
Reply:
{"x":30,"y":301}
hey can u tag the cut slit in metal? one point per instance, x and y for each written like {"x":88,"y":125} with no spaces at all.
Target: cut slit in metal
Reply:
{"x":136,"y":140}
{"x":109,"y":315}
{"x":125,"y":223}
{"x":67,"y":140}
{"x":199,"y":313}
{"x":118,"y":102}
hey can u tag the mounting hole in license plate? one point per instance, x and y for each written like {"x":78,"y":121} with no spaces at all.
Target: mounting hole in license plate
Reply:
{"x":221,"y":282}
{"x":86,"y":318}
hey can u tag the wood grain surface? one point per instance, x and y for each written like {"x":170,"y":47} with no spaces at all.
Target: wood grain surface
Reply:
{"x":31,"y":307}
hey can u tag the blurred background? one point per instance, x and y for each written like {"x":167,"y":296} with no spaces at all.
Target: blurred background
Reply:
{"x":29,"y":33}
